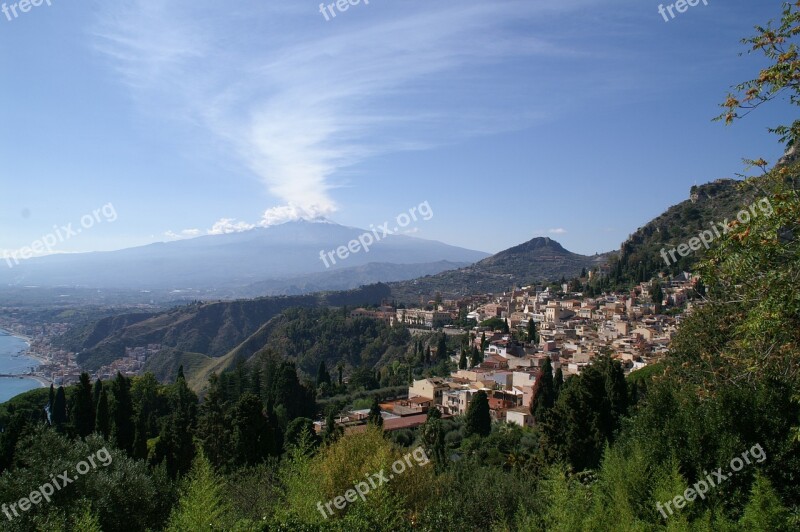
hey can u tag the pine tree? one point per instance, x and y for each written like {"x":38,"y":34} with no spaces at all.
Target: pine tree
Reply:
{"x":478,"y":417}
{"x":764,"y":510}
{"x":202,"y":505}
{"x":213,"y":425}
{"x":251,"y":442}
{"x":82,"y":409}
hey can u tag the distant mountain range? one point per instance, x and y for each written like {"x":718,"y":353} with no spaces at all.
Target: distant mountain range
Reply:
{"x":282,"y":259}
{"x":538,"y":260}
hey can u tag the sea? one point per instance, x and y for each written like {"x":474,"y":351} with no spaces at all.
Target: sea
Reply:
{"x":12,"y":362}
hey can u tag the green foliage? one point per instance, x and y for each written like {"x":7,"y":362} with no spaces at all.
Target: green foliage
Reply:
{"x":478,"y":419}
{"x":201,"y":507}
{"x":82,"y":410}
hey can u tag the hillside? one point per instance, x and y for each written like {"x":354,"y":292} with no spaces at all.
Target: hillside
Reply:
{"x":712,"y":203}
{"x":206,"y":329}
{"x":540,"y":259}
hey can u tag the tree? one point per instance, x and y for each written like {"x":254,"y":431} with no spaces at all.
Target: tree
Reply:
{"x":782,"y":73}
{"x":102,"y":421}
{"x":213,"y":425}
{"x":140,"y":436}
{"x":332,"y":430}
{"x":121,"y":413}
{"x":558,"y":383}
{"x":544,"y":395}
{"x":59,"y":413}
{"x":301,"y":431}
{"x":375,"y":417}
{"x":441,"y":349}
{"x":82,"y":409}
{"x":533,"y":334}
{"x":433,"y":436}
{"x":462,"y":362}
{"x":176,"y":444}
{"x":323,"y":377}
{"x":478,"y":417}
{"x":252,"y":434}
{"x":202,"y":506}
{"x":764,"y":510}
{"x":477,"y":357}
{"x":98,"y":386}
{"x":658,"y":296}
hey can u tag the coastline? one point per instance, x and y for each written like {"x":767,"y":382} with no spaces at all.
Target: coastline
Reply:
{"x":43,"y":382}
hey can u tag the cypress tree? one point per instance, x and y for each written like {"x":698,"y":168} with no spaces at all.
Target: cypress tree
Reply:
{"x":102,"y":422}
{"x":441,"y":349}
{"x":462,"y":362}
{"x":59,"y":413}
{"x":98,"y":385}
{"x":140,"y":436}
{"x":375,"y":417}
{"x":533,"y":334}
{"x":478,"y":416}
{"x":558,"y":383}
{"x":477,"y":357}
{"x":323,"y":377}
{"x":82,"y":409}
{"x":543,"y":391}
{"x":121,"y":413}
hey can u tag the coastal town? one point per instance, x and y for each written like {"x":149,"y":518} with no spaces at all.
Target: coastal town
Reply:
{"x":571,"y":331}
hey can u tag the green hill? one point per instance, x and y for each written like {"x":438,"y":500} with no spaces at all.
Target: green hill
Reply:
{"x":209,"y":330}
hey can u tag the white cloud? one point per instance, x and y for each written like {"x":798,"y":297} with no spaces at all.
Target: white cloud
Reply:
{"x":185,"y":233}
{"x":297,"y":104}
{"x":229,"y":225}
{"x":557,"y":231}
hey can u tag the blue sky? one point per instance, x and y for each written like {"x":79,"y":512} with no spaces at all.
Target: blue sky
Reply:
{"x":576,"y":119}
